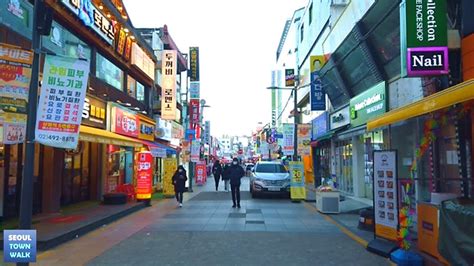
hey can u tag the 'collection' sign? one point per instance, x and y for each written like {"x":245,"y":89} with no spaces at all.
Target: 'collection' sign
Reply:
{"x":426,"y":37}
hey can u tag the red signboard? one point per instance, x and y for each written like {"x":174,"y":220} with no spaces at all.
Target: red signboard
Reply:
{"x":125,"y":123}
{"x":144,"y":175}
{"x":201,"y":173}
{"x":194,"y":110}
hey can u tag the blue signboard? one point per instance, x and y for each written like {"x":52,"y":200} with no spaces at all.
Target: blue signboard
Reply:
{"x":317,"y":94}
{"x":190,"y":134}
{"x":320,"y":126}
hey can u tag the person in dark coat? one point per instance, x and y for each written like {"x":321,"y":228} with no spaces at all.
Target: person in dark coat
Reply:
{"x":179,"y":182}
{"x":225,"y":177}
{"x":216,"y":172}
{"x":235,"y":172}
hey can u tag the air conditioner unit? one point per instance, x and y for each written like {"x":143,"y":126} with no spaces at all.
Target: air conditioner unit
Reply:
{"x":339,"y":2}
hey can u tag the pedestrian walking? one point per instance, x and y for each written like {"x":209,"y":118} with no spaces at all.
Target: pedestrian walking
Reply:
{"x":235,"y":172}
{"x":225,"y":177}
{"x":179,"y":182}
{"x":217,"y":172}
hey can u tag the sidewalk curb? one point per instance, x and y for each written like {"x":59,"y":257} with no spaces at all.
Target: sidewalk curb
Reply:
{"x":345,"y":230}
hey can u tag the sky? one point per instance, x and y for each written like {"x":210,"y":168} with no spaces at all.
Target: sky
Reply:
{"x":237,"y":41}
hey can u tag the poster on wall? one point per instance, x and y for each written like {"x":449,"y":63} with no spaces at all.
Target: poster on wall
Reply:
{"x":169,"y":167}
{"x":143,"y":186}
{"x":61,"y":101}
{"x":385,"y":194}
{"x":304,"y":139}
{"x":297,"y":184}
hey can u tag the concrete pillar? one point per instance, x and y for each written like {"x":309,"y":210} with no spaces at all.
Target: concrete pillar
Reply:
{"x":358,"y":167}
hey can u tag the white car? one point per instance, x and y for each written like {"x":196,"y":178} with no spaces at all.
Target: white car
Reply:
{"x":269,"y":177}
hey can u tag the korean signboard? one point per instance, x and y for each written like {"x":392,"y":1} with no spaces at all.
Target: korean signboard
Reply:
{"x":317,"y":92}
{"x":143,"y":186}
{"x":288,"y":139}
{"x":319,"y":126}
{"x":194,"y":111}
{"x":424,"y":37}
{"x":177,"y":131}
{"x":194,"y":90}
{"x":385,"y":193}
{"x":289,"y":77}
{"x":169,"y":167}
{"x":168,"y":85}
{"x":123,"y":121}
{"x":92,"y":18}
{"x":201,"y":173}
{"x":195,"y":151}
{"x":207,"y":132}
{"x":194,"y":63}
{"x":147,"y":130}
{"x":15,"y":75}
{"x":304,"y":139}
{"x":142,"y":61}
{"x":61,"y":101}
{"x":158,"y":152}
{"x":94,"y":113}
{"x":368,"y":104}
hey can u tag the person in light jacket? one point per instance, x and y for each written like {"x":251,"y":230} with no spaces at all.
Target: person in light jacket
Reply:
{"x":179,"y":182}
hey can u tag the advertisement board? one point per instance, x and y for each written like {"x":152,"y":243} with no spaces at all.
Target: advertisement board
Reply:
{"x":385,"y":194}
{"x":288,"y":139}
{"x":195,"y":151}
{"x":304,"y":139}
{"x":144,"y":179}
{"x":124,"y":121}
{"x":297,"y":184}
{"x":169,"y":167}
{"x":61,"y":101}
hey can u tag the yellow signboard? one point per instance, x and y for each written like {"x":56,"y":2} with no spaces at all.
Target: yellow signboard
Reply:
{"x":297,"y":186}
{"x":170,"y":166}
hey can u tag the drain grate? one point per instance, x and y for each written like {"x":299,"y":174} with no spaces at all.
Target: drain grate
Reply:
{"x":254,"y":222}
{"x":254,"y":210}
{"x":237,"y":215}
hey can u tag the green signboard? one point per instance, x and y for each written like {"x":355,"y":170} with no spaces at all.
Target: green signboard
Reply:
{"x":426,"y":23}
{"x":369,"y":104}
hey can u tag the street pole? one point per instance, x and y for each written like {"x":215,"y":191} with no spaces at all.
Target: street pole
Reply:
{"x":295,"y":133}
{"x":26,"y":200}
{"x":26,"y":194}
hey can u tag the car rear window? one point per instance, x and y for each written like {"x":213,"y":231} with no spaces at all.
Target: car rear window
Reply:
{"x":270,"y":168}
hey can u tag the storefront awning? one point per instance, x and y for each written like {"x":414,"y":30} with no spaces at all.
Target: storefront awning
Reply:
{"x":326,"y":136}
{"x":97,"y":135}
{"x":150,"y":144}
{"x":456,"y":94}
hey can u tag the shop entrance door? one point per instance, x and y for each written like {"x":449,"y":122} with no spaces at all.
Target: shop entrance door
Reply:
{"x":344,"y":166}
{"x":75,"y":185}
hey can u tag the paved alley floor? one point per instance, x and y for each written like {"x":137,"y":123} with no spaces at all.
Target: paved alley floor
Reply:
{"x":208,"y":231}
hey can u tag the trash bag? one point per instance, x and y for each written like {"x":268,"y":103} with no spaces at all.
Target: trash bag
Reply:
{"x":456,"y":231}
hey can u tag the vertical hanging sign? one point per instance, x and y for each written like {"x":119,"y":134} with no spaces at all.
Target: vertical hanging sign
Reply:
{"x":168,"y":85}
{"x":194,"y":64}
{"x":318,"y":94}
{"x":61,"y":101}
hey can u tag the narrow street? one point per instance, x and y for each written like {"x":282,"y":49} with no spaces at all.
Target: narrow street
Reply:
{"x":207,"y":231}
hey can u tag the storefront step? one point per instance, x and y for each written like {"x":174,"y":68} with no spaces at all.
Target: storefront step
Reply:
{"x":53,"y":238}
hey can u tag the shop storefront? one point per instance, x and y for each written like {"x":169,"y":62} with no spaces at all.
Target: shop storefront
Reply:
{"x":321,"y":148}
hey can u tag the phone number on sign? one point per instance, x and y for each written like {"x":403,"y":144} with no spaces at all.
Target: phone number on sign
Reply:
{"x":57,"y":138}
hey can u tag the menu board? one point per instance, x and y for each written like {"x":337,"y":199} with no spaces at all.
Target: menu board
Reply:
{"x":385,"y":193}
